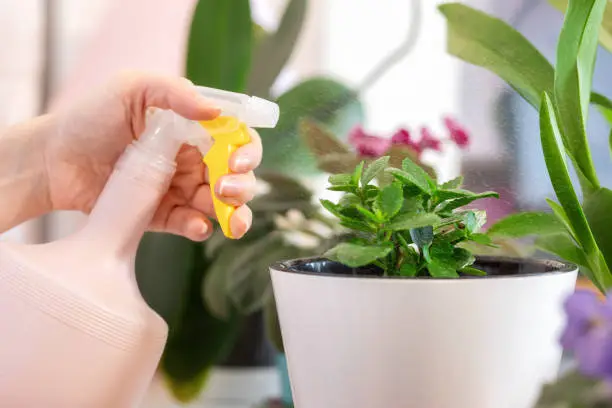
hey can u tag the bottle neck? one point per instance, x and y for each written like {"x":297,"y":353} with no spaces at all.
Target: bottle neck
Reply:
{"x":128,"y":202}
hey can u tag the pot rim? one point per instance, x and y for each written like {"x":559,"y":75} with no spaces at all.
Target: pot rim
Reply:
{"x":560,"y":267}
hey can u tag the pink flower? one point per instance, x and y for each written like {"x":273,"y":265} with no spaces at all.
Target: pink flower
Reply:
{"x":429,"y":141}
{"x":403,"y":138}
{"x":368,"y":145}
{"x":457,"y":133}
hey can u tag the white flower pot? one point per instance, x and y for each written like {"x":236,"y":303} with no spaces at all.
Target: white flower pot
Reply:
{"x":373,"y":342}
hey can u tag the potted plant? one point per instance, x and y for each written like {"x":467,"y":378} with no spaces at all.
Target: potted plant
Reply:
{"x":402,"y":314}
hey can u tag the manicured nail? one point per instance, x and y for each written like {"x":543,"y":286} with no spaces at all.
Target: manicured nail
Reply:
{"x":228,"y":187}
{"x":243,"y":164}
{"x":241,"y":221}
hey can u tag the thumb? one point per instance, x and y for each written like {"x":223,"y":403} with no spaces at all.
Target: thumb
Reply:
{"x":144,"y":90}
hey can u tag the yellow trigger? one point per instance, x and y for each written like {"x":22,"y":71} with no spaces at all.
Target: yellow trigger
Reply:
{"x":228,"y":134}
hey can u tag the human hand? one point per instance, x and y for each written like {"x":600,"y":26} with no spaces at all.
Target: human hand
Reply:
{"x":91,"y":136}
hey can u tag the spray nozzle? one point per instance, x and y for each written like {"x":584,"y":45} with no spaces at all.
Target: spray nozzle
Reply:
{"x":216,"y":139}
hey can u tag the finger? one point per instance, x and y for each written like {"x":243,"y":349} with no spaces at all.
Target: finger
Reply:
{"x":189,"y":223}
{"x":167,"y":92}
{"x":236,"y":189}
{"x":241,"y":221}
{"x":247,"y":157}
{"x":202,"y":201}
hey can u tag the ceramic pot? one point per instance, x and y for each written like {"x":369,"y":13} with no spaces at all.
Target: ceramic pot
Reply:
{"x":355,"y":339}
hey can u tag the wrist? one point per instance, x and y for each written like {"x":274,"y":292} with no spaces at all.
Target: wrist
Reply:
{"x":24,"y":184}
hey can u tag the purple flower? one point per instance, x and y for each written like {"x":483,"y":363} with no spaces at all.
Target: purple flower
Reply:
{"x":429,"y":141}
{"x":368,"y":145}
{"x":403,"y":138}
{"x":588,"y":333}
{"x":457,"y":133}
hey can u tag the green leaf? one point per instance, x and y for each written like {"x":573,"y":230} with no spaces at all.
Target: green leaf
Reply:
{"x":488,"y":42}
{"x":347,"y":188}
{"x":598,"y":212}
{"x":356,"y":225}
{"x":349,"y":199}
{"x":340,"y":179}
{"x":214,"y":287}
{"x":481,"y":239}
{"x":374,"y":168}
{"x":420,"y":176}
{"x":408,"y":270}
{"x":443,"y":263}
{"x":604,"y":104}
{"x":605,"y":35}
{"x":560,"y":178}
{"x":368,"y":214}
{"x":474,"y":220}
{"x":357,"y":173}
{"x":438,"y":269}
{"x":463,"y":201}
{"x":324,"y":100}
{"x":200,"y":342}
{"x":452,"y":184}
{"x":225,"y":62}
{"x":390,"y":200}
{"x":407,"y":221}
{"x":444,"y":195}
{"x":408,"y":179}
{"x":561,"y":216}
{"x":331,"y":207}
{"x":576,"y":52}
{"x":468,"y":270}
{"x":463,"y":258}
{"x":354,"y":256}
{"x":525,"y":224}
{"x":563,"y":246}
{"x":422,"y":236}
{"x":274,"y":51}
{"x":164,"y":265}
{"x":573,"y":390}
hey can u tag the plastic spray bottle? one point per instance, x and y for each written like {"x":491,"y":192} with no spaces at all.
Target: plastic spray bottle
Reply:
{"x":76,"y":333}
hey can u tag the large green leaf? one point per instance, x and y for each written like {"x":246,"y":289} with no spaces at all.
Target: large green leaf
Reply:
{"x":220,"y":44}
{"x":561,"y":182}
{"x":598,"y":211}
{"x":563,"y":246}
{"x":164,"y":265}
{"x":274,"y":51}
{"x":605,"y":35}
{"x":525,"y":224}
{"x":201,"y":342}
{"x":491,"y":43}
{"x":576,"y":51}
{"x":325,"y":100}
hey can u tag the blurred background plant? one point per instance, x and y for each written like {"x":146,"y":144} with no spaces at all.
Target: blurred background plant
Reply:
{"x":578,"y":232}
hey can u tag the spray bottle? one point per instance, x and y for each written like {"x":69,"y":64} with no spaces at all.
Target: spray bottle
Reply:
{"x":75,"y":330}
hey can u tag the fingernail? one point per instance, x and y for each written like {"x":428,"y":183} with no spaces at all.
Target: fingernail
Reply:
{"x":229,"y":187}
{"x":198,"y":227}
{"x":243,"y":164}
{"x":188,"y":81}
{"x":241,"y":221}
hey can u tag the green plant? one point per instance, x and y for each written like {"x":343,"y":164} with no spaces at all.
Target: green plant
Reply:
{"x":411,"y":226}
{"x":579,"y":232}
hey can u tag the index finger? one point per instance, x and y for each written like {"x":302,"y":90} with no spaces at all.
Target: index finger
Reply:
{"x":246,"y":158}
